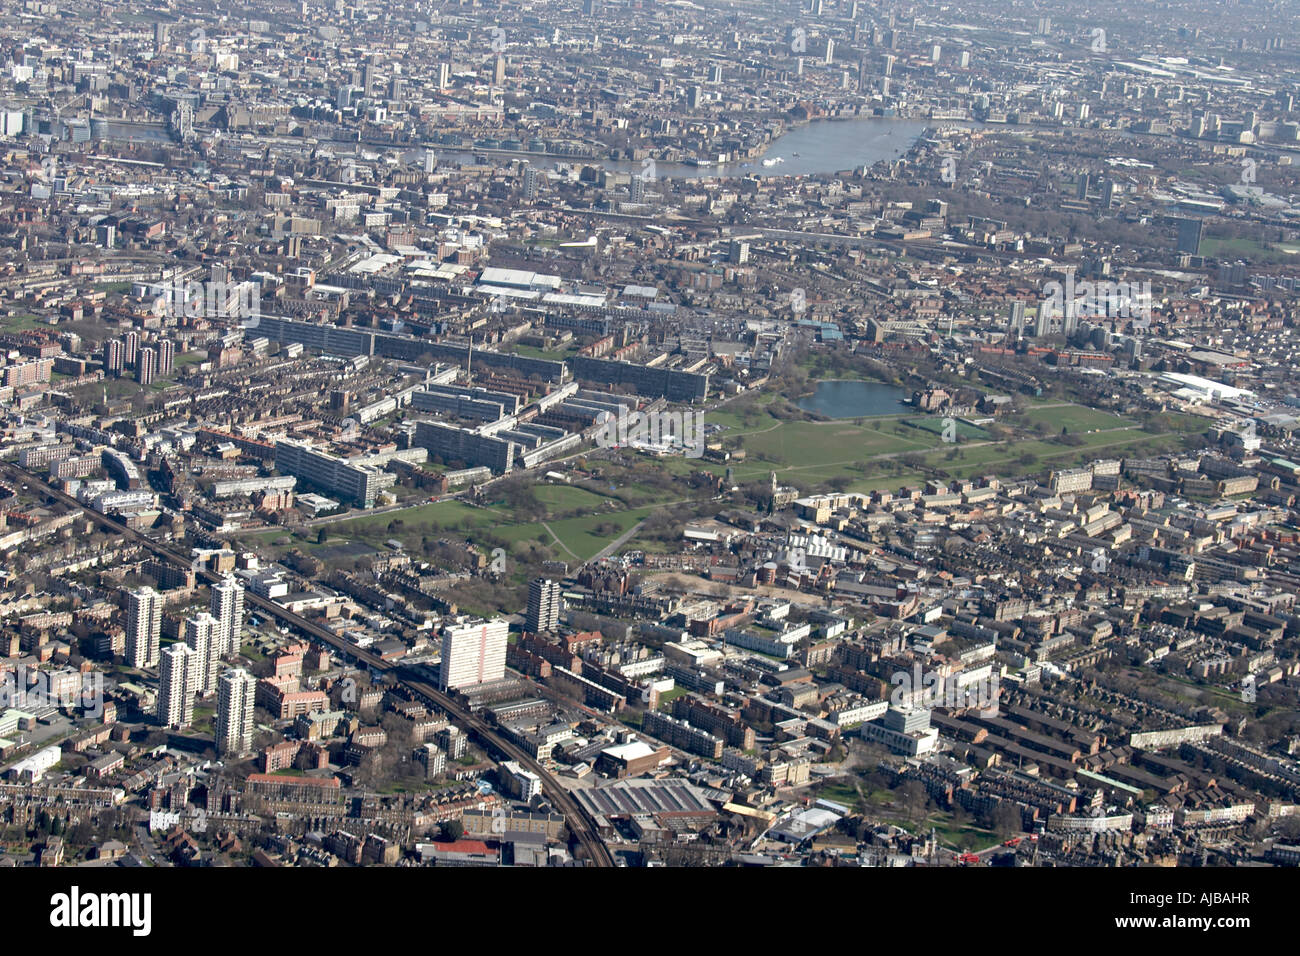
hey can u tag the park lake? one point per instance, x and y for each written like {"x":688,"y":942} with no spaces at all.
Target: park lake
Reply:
{"x":841,"y":398}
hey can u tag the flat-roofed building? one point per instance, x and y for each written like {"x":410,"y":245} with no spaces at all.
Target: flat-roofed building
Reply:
{"x":355,"y":483}
{"x":473,"y":652}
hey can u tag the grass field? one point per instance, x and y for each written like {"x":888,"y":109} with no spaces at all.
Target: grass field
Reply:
{"x":21,"y":323}
{"x":566,"y":498}
{"x":433,"y":517}
{"x":1004,"y":459}
{"x":576,"y":523}
{"x":556,"y":355}
{"x":881,"y":806}
{"x":1076,"y":418}
{"x":1249,"y":249}
{"x":666,"y":698}
{"x":934,"y":424}
{"x":808,"y":453}
{"x":817,"y":451}
{"x":577,"y":536}
{"x":580,"y":537}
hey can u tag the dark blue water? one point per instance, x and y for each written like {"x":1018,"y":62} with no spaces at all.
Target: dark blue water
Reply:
{"x":852,"y":399}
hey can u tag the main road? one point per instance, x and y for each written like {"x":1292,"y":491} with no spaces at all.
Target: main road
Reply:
{"x":576,"y":819}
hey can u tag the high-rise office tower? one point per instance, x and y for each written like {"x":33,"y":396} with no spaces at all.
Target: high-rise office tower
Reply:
{"x":544,"y":605}
{"x":143,"y":627}
{"x":200,"y":634}
{"x":176,"y":676}
{"x":473,"y":653}
{"x":234,"y":723}
{"x":228,"y":608}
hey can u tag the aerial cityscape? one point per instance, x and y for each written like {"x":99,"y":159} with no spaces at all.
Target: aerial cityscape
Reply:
{"x":628,"y":433}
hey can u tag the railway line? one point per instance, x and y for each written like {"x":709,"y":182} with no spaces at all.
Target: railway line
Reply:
{"x":579,"y":823}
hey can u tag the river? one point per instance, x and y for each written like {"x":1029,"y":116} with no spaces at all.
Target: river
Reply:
{"x":823,"y":146}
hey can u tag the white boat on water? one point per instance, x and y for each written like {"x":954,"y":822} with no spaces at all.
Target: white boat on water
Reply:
{"x":773,"y":162}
